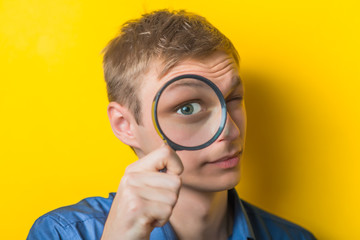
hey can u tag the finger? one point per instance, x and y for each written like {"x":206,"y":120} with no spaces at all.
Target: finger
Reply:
{"x":146,"y":215}
{"x":174,"y":165}
{"x":157,"y":213}
{"x":158,"y":195}
{"x":153,"y":180}
{"x":163,"y":157}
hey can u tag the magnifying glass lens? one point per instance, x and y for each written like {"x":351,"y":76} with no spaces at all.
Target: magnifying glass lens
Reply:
{"x":189,"y":112}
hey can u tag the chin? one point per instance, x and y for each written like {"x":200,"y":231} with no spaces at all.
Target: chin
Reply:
{"x":225,"y":184}
{"x":214,"y":184}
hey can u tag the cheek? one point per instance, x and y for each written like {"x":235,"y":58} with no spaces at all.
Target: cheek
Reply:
{"x":189,"y":159}
{"x":147,"y":135}
{"x":193,"y":160}
{"x":149,"y":140}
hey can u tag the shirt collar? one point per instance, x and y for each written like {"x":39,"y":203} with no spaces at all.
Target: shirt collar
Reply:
{"x":242,"y":229}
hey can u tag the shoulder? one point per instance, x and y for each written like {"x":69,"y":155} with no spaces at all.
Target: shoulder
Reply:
{"x":267,"y":224}
{"x":84,"y":219}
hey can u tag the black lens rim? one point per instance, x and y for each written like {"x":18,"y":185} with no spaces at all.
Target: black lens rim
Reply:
{"x":174,"y":145}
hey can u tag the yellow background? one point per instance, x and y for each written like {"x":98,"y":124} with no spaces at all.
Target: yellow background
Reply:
{"x":300,"y":64}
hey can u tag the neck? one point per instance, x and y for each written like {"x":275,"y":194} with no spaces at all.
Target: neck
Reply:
{"x":201,"y":215}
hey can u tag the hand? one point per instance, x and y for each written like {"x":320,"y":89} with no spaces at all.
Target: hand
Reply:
{"x":145,"y":197}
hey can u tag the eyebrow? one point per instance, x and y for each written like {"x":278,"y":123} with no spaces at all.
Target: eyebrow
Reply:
{"x":236,"y":81}
{"x":188,"y":83}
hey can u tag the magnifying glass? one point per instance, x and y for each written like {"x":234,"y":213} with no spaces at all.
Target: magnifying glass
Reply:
{"x":189,"y":112}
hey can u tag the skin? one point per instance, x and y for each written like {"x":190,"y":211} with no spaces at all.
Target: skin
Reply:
{"x":192,"y":194}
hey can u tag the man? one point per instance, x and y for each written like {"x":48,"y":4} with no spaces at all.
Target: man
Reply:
{"x":195,"y":197}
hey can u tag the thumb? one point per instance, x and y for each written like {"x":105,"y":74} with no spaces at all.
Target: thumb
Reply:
{"x":174,"y":164}
{"x":163,"y":159}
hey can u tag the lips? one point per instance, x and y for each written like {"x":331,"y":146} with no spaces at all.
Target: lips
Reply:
{"x":228,"y":161}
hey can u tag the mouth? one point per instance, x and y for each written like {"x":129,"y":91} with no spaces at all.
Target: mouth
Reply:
{"x":229,"y":161}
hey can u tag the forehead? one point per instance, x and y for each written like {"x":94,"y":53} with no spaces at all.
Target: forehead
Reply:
{"x":218,"y":67}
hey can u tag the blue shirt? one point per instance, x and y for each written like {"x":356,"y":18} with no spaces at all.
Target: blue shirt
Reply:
{"x":86,"y":220}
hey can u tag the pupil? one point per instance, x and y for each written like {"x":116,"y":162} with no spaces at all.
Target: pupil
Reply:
{"x":187,"y":109}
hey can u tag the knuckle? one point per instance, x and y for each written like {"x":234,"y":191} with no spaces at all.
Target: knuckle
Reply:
{"x":176,"y":182}
{"x":129,"y":168}
{"x":181,"y":167}
{"x":135,"y":205}
{"x":129,"y":194}
{"x":143,"y":222}
{"x":172,"y":197}
{"x":127,"y":179}
{"x":165,"y":152}
{"x":133,"y":179}
{"x":178,"y":168}
{"x":167,"y":210}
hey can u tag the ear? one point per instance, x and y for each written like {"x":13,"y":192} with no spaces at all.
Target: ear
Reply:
{"x":122,"y":123}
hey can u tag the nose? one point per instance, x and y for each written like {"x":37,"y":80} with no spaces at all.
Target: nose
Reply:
{"x":230,"y":131}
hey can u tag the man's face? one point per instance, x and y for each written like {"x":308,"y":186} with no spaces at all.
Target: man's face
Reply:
{"x":216,"y":167}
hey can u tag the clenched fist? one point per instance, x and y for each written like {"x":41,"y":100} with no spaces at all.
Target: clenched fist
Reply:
{"x":145,"y":197}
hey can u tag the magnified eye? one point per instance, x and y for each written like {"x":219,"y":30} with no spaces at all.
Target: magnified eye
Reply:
{"x":189,"y":108}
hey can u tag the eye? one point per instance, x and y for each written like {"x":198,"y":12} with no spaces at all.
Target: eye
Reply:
{"x":189,"y":108}
{"x":235,"y":99}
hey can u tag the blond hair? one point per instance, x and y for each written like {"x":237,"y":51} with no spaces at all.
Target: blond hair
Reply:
{"x":169,"y":36}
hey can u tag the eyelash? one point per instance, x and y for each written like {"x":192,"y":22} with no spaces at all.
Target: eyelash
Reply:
{"x":236,"y":98}
{"x":187,"y":102}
